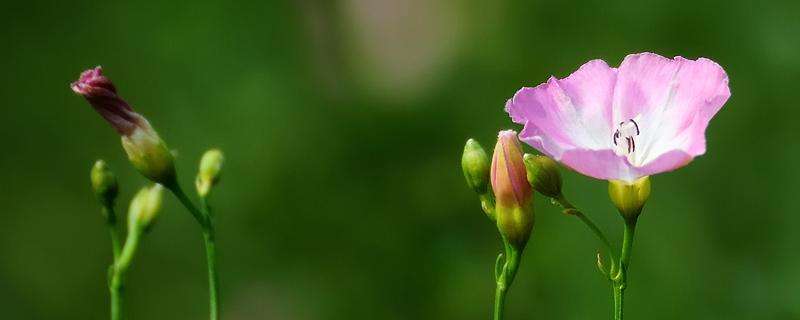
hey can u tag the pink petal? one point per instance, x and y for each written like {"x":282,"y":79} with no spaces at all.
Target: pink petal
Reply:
{"x":600,"y":164}
{"x":672,"y":99}
{"x":569,"y":113}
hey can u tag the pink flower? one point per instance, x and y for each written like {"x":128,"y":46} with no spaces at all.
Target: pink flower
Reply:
{"x":646,"y":117}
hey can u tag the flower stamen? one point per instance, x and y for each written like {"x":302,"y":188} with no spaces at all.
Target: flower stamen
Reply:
{"x":628,"y":130}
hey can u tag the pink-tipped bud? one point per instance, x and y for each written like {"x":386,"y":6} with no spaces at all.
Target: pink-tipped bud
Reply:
{"x":145,"y":149}
{"x":512,"y":191}
{"x":102,"y":95}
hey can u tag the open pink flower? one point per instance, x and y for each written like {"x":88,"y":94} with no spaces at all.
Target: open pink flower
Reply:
{"x":648,"y":116}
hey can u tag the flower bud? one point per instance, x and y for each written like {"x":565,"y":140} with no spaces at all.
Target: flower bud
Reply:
{"x":145,"y":149}
{"x":145,"y":207}
{"x":629,"y":197}
{"x":208,"y":175}
{"x":512,"y":192}
{"x":475,"y":164}
{"x":150,"y":155}
{"x":543,"y":175}
{"x":104,"y":183}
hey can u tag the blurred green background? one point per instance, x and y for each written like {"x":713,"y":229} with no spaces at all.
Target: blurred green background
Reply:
{"x":343,"y":124}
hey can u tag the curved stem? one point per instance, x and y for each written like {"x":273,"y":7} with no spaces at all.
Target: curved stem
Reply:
{"x":117,"y":272}
{"x":198,"y":215}
{"x":505,"y":279}
{"x":111,"y":222}
{"x":571,"y":210}
{"x":205,"y":219}
{"x":487,"y":204}
{"x":115,"y":292}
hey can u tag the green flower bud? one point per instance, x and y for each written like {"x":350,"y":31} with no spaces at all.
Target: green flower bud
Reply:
{"x":543,"y":175}
{"x":512,"y":191}
{"x":475,"y":164}
{"x":104,"y":183}
{"x":144,"y":208}
{"x":208,"y":175}
{"x":149,"y":154}
{"x":629,"y":197}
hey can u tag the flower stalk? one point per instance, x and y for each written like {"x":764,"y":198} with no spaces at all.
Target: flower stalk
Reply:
{"x":569,"y":209}
{"x":506,"y":198}
{"x":620,"y":279}
{"x":143,"y":210}
{"x":153,"y":159}
{"x":505,"y":271}
{"x":205,"y":221}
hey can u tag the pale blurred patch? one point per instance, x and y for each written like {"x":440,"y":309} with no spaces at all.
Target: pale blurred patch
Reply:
{"x":399,"y":49}
{"x":264,"y":301}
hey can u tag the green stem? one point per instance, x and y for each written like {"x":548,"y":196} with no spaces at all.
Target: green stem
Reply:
{"x":499,"y":301}
{"x":506,"y":277}
{"x":116,"y":248}
{"x":620,"y":280}
{"x":118,"y":270}
{"x":209,"y":238}
{"x":205,"y":219}
{"x":487,"y":204}
{"x":571,"y":210}
{"x":617,"y":301}
{"x":198,"y":215}
{"x":116,"y":303}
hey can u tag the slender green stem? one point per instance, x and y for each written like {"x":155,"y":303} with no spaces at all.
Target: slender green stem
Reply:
{"x":116,"y":303}
{"x":187,"y":203}
{"x":571,"y":210}
{"x":620,"y":280}
{"x":205,"y":219}
{"x":111,"y":223}
{"x":119,"y":269}
{"x":506,"y":277}
{"x":627,"y":245}
{"x":209,"y":238}
{"x":116,"y":248}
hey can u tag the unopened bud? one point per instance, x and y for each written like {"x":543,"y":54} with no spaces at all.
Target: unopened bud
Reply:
{"x":145,"y":149}
{"x":145,"y":207}
{"x":209,"y":172}
{"x":150,"y":155}
{"x":512,"y":192}
{"x":104,"y":183}
{"x":629,"y":197}
{"x":475,"y":164}
{"x":543,"y":175}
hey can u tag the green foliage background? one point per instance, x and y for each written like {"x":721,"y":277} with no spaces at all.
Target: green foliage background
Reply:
{"x":343,"y":124}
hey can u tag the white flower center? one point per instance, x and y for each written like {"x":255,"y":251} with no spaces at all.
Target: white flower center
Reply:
{"x":624,"y":138}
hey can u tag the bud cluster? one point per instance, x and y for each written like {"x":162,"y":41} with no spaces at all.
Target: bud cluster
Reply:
{"x":502,"y":186}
